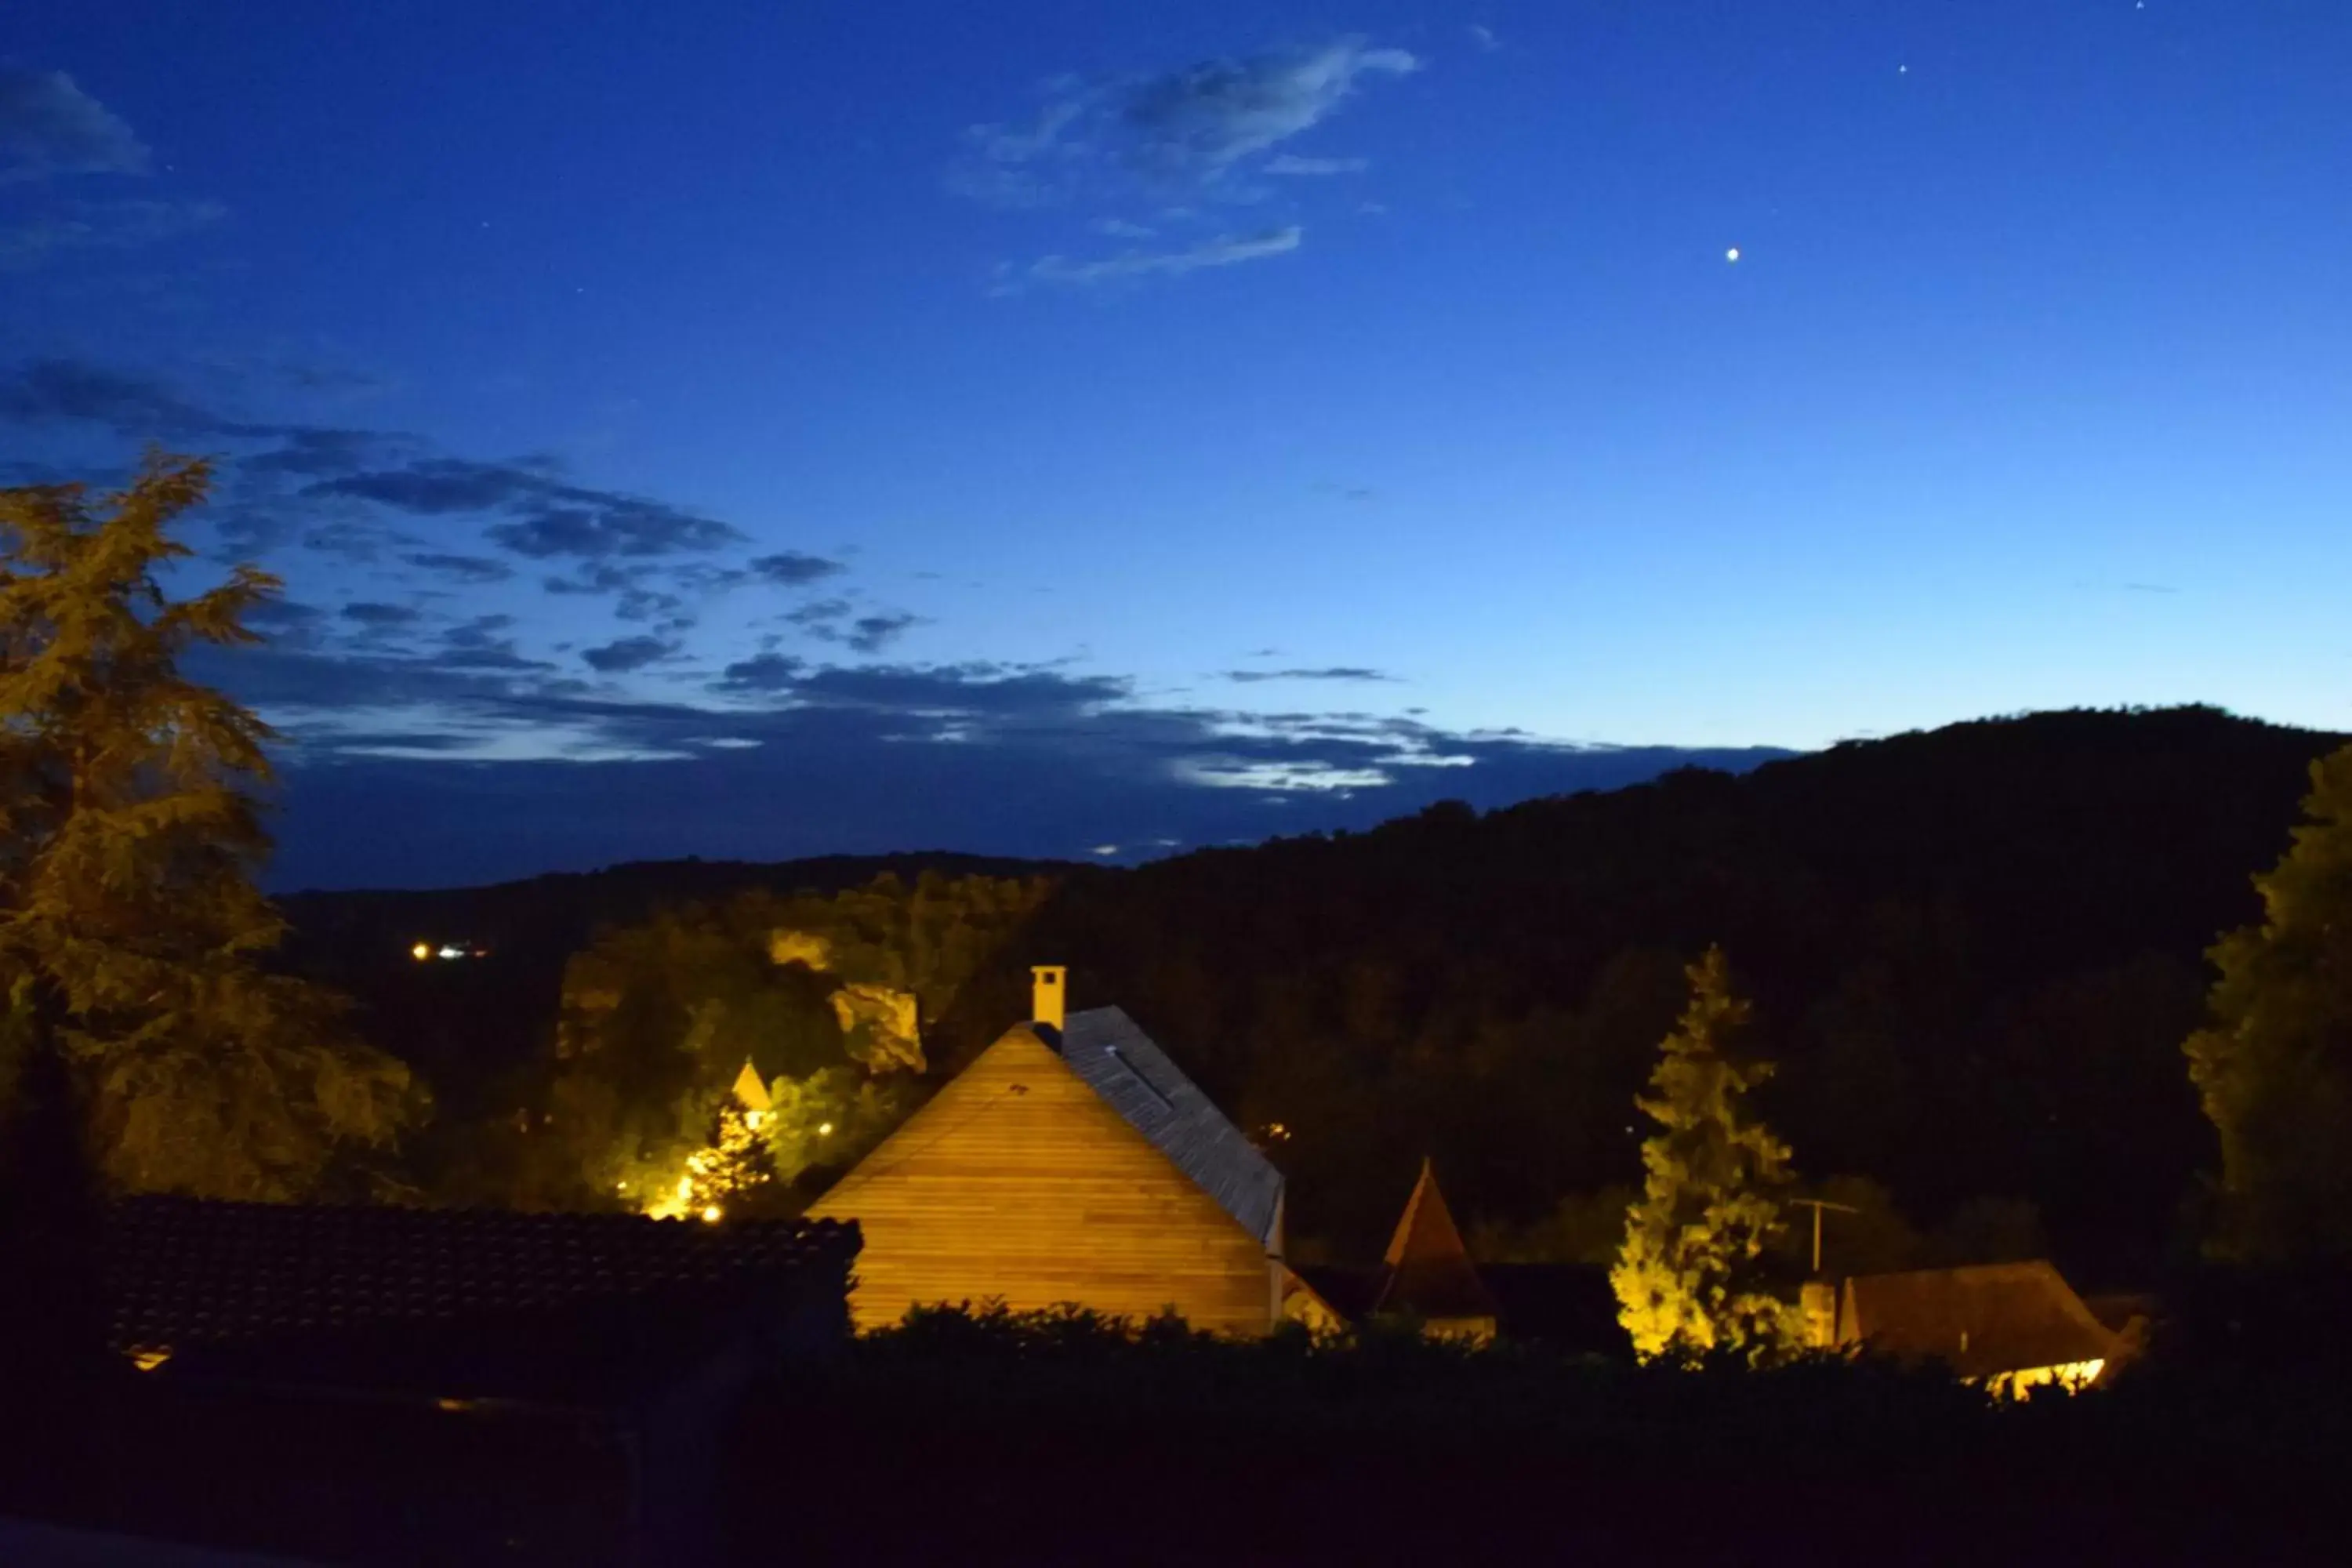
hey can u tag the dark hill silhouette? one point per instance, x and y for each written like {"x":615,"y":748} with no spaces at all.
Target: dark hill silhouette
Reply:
{"x":1975,"y":951}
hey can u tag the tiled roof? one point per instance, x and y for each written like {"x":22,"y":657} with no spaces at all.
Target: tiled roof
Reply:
{"x":184,"y":1273}
{"x":1982,"y":1321}
{"x":1120,"y":1062}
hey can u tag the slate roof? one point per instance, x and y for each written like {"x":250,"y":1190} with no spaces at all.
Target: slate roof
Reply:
{"x":1982,"y":1321}
{"x":473,"y":1293}
{"x":1429,"y":1269}
{"x":1120,"y":1062}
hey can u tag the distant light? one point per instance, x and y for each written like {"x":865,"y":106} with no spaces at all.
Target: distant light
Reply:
{"x":449,"y":951}
{"x":421,"y":952}
{"x":1732,"y":255}
{"x":753,"y":1119}
{"x":147,"y":1358}
{"x":710,"y":1214}
{"x":824,"y":1129}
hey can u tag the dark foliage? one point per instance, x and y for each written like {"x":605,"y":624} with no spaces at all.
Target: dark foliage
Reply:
{"x":1061,"y":1437}
{"x":1974,"y":951}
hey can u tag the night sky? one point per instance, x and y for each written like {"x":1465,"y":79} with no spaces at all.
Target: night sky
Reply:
{"x":768,"y":429}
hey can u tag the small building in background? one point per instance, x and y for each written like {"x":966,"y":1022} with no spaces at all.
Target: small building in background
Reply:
{"x":1072,"y":1162}
{"x":2010,"y":1326}
{"x":1427,"y":1272}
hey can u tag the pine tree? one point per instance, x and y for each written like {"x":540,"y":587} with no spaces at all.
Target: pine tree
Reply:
{"x":734,"y":1173}
{"x":2275,"y":1068}
{"x":131,"y":931}
{"x":1695,"y":1273}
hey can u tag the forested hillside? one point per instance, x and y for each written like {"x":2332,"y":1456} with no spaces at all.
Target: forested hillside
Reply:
{"x":1975,"y":952}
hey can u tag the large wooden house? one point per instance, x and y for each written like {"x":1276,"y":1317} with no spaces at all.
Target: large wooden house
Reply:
{"x":1071,"y":1162}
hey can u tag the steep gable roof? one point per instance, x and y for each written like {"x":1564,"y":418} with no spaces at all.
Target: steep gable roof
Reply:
{"x":1122,"y":1064}
{"x":1429,"y":1269}
{"x":1020,"y":1182}
{"x":1983,"y":1321}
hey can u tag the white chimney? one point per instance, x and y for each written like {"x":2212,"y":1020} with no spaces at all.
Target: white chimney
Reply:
{"x":1048,"y":1001}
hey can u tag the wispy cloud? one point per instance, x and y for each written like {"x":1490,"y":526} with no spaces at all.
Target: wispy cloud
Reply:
{"x":127,"y":224}
{"x":836,"y":621}
{"x":1189,"y":127}
{"x":1223,"y":251}
{"x":485,"y":643}
{"x":627,"y":654}
{"x":53,"y":391}
{"x":1291,"y":163}
{"x":386,"y":500}
{"x":1484,"y":37}
{"x":521,"y":771}
{"x":49,"y":126}
{"x":1207,"y":118}
{"x":1329,"y":672}
{"x":380,"y":616}
{"x":794,"y":569}
{"x":463,"y":568}
{"x":1180,"y":143}
{"x":542,"y":516}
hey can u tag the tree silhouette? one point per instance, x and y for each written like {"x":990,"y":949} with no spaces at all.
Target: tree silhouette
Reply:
{"x":2274,"y":1068}
{"x":1694,"y":1274}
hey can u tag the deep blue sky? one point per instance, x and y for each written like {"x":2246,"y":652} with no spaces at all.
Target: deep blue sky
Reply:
{"x":762,"y":429}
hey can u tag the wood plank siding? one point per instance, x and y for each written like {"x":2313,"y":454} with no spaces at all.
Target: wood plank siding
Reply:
{"x":1017,"y":1182}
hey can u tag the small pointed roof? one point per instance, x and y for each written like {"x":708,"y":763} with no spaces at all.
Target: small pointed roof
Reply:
{"x":751,"y":1089}
{"x":1429,"y":1269}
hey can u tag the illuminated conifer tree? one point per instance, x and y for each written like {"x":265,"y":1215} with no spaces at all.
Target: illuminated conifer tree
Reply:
{"x":1694,"y":1274}
{"x":734,"y":1172}
{"x":134,"y":936}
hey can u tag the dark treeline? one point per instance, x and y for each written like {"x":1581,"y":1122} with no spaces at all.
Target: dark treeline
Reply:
{"x":1974,"y":951}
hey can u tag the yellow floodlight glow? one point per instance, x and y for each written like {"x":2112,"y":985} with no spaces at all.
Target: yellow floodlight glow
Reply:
{"x":421,"y":952}
{"x":710,"y":1214}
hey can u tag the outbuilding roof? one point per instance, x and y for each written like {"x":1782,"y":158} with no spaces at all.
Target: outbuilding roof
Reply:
{"x":477,"y":1296}
{"x":1982,"y":1321}
{"x":1429,"y":1271}
{"x":1113,"y":1056}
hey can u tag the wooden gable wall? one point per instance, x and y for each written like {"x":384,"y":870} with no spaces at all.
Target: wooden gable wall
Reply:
{"x":1018,"y":1181}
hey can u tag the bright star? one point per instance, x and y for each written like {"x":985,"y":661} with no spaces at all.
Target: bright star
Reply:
{"x":1732,"y":255}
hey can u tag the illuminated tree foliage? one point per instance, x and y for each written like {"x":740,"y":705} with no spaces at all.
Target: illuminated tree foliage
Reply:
{"x":732,"y":1173}
{"x":132,"y":932}
{"x":1696,"y":1272}
{"x":831,"y":999}
{"x":2274,"y":1066}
